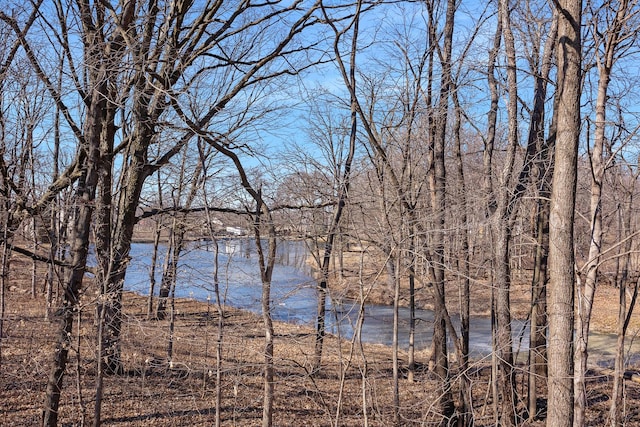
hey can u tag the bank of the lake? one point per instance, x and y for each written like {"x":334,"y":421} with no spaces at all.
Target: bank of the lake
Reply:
{"x":154,"y":390}
{"x":182,"y":392}
{"x":294,"y":297}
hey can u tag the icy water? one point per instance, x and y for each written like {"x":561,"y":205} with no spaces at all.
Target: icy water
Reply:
{"x":294,"y":297}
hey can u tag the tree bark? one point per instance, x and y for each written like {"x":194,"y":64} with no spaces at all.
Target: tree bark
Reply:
{"x":85,"y":195}
{"x":266,"y":261}
{"x":465,"y":398}
{"x":437,"y":183}
{"x":538,"y":328}
{"x":540,"y":152}
{"x":561,"y":251}
{"x":502,"y":237}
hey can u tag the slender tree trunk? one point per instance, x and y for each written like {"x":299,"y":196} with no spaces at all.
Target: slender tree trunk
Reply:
{"x":504,"y":342}
{"x":437,"y":183}
{"x":219,"y":336}
{"x":165,"y":282}
{"x":4,"y":272}
{"x":73,"y":282}
{"x":343,"y":194}
{"x":395,"y":346}
{"x":356,"y":342}
{"x":538,"y":154}
{"x":616,"y":410}
{"x":544,"y":167}
{"x":561,"y":251}
{"x":412,"y":301}
{"x":487,"y":167}
{"x":266,"y":263}
{"x":170,"y":277}
{"x":465,"y":398}
{"x":100,"y":367}
{"x":538,"y":338}
{"x":502,"y":238}
{"x":172,"y":320}
{"x":586,"y":296}
{"x":55,"y":225}
{"x":153,"y":268}
{"x":358,"y":338}
{"x":216,"y":286}
{"x":34,"y":263}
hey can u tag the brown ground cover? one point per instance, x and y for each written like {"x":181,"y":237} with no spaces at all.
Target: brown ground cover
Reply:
{"x":154,"y":392}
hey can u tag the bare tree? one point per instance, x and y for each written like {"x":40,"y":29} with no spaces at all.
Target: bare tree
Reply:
{"x":190,"y":36}
{"x":561,"y":254}
{"x":143,"y":90}
{"x":437,"y":183}
{"x":262,"y":222}
{"x":627,"y":179}
{"x":19,"y":118}
{"x":90,"y":137}
{"x":617,"y":32}
{"x":343,"y":194}
{"x":182,"y":204}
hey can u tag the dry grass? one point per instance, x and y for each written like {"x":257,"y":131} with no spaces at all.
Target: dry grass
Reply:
{"x":152,"y":392}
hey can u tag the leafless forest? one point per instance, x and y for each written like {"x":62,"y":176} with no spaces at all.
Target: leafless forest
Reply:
{"x":473,"y":158}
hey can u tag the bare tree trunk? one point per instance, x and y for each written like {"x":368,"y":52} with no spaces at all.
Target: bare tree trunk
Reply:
{"x":153,"y":267}
{"x":358,"y":338}
{"x":73,"y":282}
{"x":538,"y":337}
{"x":623,"y":262}
{"x":165,"y":282}
{"x":4,"y":272}
{"x":100,"y":368}
{"x":266,"y":272}
{"x":395,"y":259}
{"x":543,"y":166}
{"x":154,"y":255}
{"x":586,"y":296}
{"x":437,"y":183}
{"x":172,"y":321}
{"x":219,"y":337}
{"x":487,"y":166}
{"x":262,"y":219}
{"x":411,"y":368}
{"x":203,"y":153}
{"x":343,"y":194}
{"x":465,"y":398}
{"x":502,"y":237}
{"x":34,"y":263}
{"x":537,"y":163}
{"x":356,"y":342}
{"x":176,"y":247}
{"x":169,"y":276}
{"x":561,"y":251}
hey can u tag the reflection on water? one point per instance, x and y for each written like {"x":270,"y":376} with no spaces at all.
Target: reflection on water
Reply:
{"x":294,"y":296}
{"x":293,"y":290}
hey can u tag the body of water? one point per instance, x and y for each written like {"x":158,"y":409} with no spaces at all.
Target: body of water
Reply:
{"x":294,"y":294}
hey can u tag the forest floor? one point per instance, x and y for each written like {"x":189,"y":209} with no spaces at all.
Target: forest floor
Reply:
{"x":154,"y":392}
